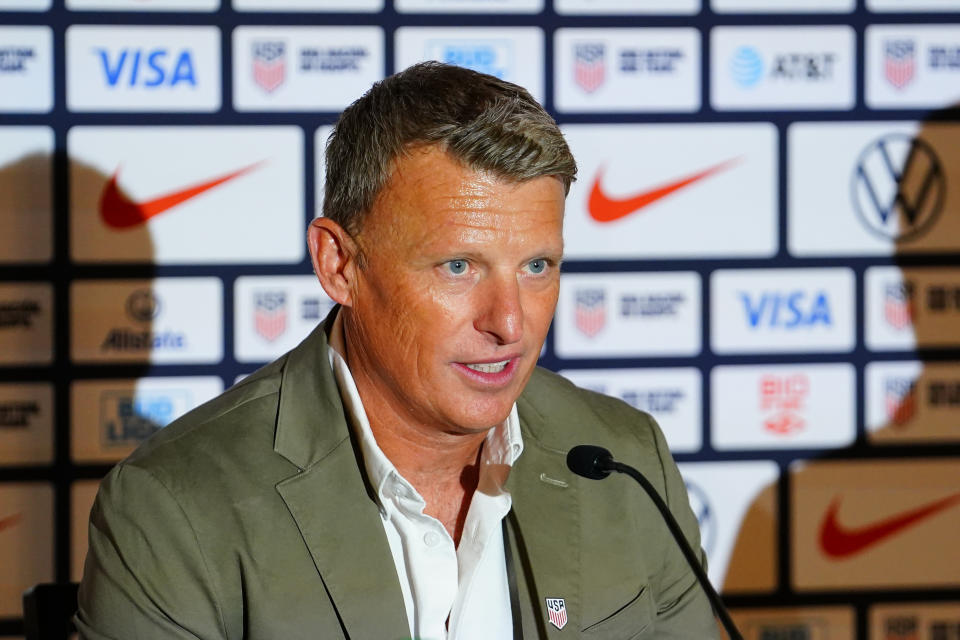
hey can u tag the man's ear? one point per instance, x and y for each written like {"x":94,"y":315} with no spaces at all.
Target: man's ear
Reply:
{"x":333,"y":253}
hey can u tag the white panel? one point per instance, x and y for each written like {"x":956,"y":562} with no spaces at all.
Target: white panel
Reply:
{"x":672,"y":191}
{"x":722,"y":495}
{"x":304,"y":68}
{"x":164,"y":320}
{"x":26,"y":323}
{"x":783,"y":6}
{"x":272,"y":314}
{"x":782,"y":310}
{"x":912,"y":66}
{"x":514,"y":54}
{"x":672,"y":396}
{"x":186,"y":195}
{"x":784,"y":68}
{"x":26,"y":69}
{"x":623,"y":315}
{"x":468,"y":6}
{"x":363,"y":6}
{"x":907,"y":6}
{"x":26,"y":541}
{"x":110,"y":418}
{"x":26,"y":182}
{"x":881,"y":190}
{"x":26,"y":423}
{"x":619,"y":7}
{"x":133,"y":68}
{"x":783,"y":406}
{"x":143,"y":5}
{"x":627,"y":70}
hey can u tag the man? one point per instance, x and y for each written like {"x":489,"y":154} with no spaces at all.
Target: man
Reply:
{"x":402,"y":472}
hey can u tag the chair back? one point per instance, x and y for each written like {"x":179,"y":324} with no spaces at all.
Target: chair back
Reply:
{"x":48,"y":611}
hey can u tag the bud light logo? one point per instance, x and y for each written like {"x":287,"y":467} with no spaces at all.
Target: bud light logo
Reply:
{"x":786,"y":310}
{"x":129,"y":418}
{"x":747,"y":66}
{"x":150,"y":69}
{"x":492,"y":58}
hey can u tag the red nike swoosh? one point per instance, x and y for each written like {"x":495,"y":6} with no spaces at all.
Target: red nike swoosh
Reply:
{"x":9,"y":521}
{"x":838,"y":541}
{"x":603,"y":208}
{"x":119,"y":212}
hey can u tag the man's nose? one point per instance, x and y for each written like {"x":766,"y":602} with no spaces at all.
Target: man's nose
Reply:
{"x":500,"y":312}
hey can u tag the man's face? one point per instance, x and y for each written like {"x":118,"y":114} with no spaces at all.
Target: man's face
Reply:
{"x":459,"y":286}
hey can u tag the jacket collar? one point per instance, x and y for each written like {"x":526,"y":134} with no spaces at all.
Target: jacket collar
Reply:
{"x":345,"y":535}
{"x":331,"y":502}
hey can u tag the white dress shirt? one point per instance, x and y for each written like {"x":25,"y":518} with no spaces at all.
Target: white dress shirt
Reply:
{"x":465,"y":584}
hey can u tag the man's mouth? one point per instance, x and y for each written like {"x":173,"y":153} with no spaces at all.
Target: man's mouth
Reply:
{"x":489,"y":367}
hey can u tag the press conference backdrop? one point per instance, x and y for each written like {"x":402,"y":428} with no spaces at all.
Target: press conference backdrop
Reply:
{"x":763,"y":251}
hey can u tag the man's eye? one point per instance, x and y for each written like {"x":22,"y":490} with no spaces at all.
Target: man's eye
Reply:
{"x":538,"y":266}
{"x":457,"y":267}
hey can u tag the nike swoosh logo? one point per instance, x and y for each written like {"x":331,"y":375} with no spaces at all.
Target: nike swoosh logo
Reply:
{"x":119,"y":212}
{"x":838,"y":541}
{"x":9,"y":521}
{"x":603,"y":208}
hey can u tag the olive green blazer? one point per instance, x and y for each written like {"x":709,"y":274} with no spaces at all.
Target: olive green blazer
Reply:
{"x":250,"y":517}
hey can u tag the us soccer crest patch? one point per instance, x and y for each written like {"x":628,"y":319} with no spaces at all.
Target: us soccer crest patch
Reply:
{"x":557,"y":612}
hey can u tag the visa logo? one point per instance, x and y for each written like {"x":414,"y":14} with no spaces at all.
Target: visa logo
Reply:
{"x":776,"y":309}
{"x":148,"y":68}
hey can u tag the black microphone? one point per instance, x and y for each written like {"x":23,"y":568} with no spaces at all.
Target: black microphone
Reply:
{"x":596,"y":463}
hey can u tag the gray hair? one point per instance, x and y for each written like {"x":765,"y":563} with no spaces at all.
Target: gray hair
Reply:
{"x":488,"y":124}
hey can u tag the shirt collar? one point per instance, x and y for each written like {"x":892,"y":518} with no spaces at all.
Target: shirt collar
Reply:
{"x":501,"y":448}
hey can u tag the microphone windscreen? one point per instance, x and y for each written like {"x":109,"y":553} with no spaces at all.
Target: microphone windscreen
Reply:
{"x":589,"y":461}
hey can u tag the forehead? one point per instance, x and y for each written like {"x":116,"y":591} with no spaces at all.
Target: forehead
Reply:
{"x":429,"y":188}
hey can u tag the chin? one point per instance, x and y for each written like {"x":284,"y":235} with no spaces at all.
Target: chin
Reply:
{"x":483,"y":418}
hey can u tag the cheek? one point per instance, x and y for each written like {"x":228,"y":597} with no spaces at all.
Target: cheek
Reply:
{"x":539,"y":311}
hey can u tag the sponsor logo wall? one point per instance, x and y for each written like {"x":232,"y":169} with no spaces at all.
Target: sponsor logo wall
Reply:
{"x":762,"y":251}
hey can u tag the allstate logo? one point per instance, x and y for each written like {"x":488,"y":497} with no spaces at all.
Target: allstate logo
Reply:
{"x":747,"y":66}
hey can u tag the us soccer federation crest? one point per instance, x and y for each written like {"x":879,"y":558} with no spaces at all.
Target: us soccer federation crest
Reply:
{"x":899,"y":62}
{"x":900,"y":399}
{"x":589,"y":70}
{"x":898,"y":305}
{"x":590,"y":311}
{"x":270,"y":314}
{"x":269,"y":64}
{"x":557,"y":612}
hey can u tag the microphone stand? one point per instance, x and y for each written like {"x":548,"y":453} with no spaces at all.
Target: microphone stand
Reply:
{"x":596,"y":463}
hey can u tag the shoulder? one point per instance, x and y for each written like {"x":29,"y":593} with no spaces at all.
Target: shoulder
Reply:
{"x":218,"y":433}
{"x":562,"y":415}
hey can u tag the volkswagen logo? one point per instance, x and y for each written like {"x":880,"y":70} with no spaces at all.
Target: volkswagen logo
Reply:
{"x":898,"y":186}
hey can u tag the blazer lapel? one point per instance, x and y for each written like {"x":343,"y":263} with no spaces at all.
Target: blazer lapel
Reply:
{"x":545,"y":534}
{"x":329,"y":499}
{"x":342,"y":528}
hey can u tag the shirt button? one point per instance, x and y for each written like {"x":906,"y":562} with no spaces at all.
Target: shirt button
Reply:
{"x":431,"y":539}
